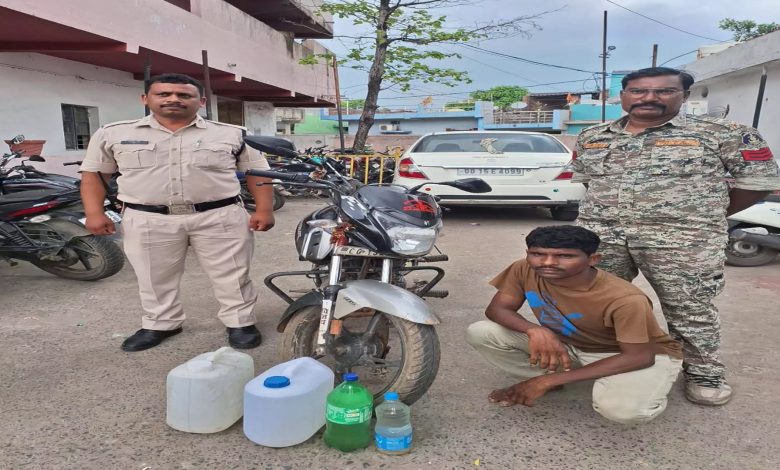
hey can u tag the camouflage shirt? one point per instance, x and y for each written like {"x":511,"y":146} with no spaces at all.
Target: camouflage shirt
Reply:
{"x":666,"y":186}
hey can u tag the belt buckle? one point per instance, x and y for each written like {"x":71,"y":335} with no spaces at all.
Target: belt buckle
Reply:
{"x":181,"y":209}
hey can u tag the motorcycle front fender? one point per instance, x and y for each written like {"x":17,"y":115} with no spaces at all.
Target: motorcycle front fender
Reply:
{"x":384,"y":297}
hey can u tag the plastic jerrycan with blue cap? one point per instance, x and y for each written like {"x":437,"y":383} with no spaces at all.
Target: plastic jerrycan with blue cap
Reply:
{"x":205,"y":394}
{"x":285,"y":405}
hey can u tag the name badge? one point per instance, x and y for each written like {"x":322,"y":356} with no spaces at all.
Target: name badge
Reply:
{"x":596,"y":145}
{"x":677,"y":143}
{"x":136,"y":142}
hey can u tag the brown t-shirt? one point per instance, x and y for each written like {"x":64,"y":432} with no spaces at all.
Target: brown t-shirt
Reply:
{"x":593,"y":318}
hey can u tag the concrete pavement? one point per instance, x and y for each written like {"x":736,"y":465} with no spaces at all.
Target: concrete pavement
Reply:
{"x":70,"y":398}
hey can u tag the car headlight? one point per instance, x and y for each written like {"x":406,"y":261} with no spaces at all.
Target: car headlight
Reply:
{"x":408,"y":240}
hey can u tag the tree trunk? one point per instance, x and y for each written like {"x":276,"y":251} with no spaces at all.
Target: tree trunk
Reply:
{"x":375,"y":75}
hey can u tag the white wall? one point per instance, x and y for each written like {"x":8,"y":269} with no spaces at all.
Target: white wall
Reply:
{"x":35,"y":86}
{"x":260,"y":118}
{"x":731,"y":77}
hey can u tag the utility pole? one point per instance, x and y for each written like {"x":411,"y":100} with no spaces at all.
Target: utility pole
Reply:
{"x":207,"y":82}
{"x":604,"y":71}
{"x":655,"y":54}
{"x":338,"y":103}
{"x":147,"y":76}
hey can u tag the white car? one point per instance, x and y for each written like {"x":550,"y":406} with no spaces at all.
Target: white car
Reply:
{"x":523,"y":168}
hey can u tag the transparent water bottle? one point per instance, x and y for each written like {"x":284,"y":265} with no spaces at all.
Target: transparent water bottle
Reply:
{"x":393,"y":432}
{"x":348,"y":415}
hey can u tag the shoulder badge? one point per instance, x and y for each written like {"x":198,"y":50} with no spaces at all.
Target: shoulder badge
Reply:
{"x":752,"y":139}
{"x":241,"y":128}
{"x":117,"y":123}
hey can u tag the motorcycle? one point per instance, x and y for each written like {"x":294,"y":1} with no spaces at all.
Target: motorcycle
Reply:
{"x":249,"y":200}
{"x":754,"y":234}
{"x":42,"y":227}
{"x":363,"y":311}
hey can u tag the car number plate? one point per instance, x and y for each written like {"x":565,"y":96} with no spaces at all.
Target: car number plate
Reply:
{"x":113,"y":216}
{"x":491,"y":171}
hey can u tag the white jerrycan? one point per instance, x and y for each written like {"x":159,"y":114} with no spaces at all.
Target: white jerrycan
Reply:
{"x":205,"y":394}
{"x":285,"y":405}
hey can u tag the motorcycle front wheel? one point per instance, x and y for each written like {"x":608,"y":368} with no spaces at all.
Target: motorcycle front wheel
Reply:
{"x":85,"y":258}
{"x":395,"y":355}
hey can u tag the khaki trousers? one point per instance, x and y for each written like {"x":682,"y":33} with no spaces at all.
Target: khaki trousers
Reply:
{"x":156,"y":246}
{"x":629,"y":398}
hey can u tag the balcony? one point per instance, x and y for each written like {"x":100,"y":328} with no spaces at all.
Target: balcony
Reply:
{"x":248,"y":59}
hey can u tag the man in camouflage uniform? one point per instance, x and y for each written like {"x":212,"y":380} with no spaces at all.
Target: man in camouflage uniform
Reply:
{"x":658,"y":198}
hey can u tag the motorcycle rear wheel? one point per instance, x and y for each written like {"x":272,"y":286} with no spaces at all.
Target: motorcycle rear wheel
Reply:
{"x":96,"y":257}
{"x":249,"y":200}
{"x":415,"y":369}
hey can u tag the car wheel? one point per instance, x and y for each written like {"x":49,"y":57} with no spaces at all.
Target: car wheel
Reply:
{"x":564,"y":213}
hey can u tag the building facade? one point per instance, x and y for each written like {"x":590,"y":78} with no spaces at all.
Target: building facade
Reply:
{"x":69,"y":67}
{"x":728,"y":81}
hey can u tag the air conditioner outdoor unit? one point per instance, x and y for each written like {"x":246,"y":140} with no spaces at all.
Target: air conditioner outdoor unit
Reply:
{"x":388,"y":127}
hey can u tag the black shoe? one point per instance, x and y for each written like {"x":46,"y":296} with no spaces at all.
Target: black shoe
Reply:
{"x":145,"y":339}
{"x":245,"y":337}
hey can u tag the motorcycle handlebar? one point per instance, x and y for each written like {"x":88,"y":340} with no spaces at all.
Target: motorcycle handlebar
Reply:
{"x":279,"y":175}
{"x":71,"y":163}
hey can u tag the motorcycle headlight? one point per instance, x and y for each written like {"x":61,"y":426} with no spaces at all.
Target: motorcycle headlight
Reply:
{"x":408,"y":240}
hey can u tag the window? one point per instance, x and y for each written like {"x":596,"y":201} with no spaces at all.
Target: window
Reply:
{"x":476,"y":142}
{"x":78,"y":123}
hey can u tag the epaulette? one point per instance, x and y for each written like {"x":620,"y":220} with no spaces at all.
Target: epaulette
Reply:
{"x":731,"y":125}
{"x":116,"y":123}
{"x":596,"y":128}
{"x":241,"y":128}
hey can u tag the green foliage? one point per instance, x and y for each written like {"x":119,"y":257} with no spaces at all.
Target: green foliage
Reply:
{"x":399,"y":44}
{"x":502,"y":96}
{"x":464,"y":105}
{"x":747,"y":29}
{"x":353,"y":104}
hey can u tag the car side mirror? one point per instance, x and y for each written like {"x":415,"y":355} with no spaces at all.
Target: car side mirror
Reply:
{"x":36,"y":158}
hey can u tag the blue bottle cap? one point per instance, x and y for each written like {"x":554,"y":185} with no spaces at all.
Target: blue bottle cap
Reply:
{"x":276,"y":381}
{"x":350,"y":377}
{"x":391,"y":396}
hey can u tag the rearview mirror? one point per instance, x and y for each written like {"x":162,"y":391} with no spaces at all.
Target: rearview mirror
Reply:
{"x":272,"y":145}
{"x":18,"y":139}
{"x":36,"y":158}
{"x":471,"y":185}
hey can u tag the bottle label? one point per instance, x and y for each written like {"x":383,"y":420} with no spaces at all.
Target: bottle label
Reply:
{"x":393,"y":443}
{"x":339,"y":415}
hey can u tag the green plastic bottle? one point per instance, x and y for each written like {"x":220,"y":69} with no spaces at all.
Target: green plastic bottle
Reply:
{"x":348,"y":415}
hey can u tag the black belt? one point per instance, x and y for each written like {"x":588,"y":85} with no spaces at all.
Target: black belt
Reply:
{"x":179,"y":209}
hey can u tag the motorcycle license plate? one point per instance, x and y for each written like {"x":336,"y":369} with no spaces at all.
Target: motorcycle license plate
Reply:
{"x":113,"y":216}
{"x":356,"y":251}
{"x":491,"y":171}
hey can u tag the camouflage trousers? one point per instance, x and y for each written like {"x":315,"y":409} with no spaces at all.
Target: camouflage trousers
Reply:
{"x":686,"y":280}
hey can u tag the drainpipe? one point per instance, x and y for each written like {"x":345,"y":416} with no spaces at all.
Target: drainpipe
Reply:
{"x":760,"y":99}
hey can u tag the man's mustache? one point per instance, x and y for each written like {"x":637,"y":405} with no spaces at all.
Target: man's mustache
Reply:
{"x":654,"y":105}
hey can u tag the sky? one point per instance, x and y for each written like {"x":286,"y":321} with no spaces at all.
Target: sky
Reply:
{"x":570,"y":36}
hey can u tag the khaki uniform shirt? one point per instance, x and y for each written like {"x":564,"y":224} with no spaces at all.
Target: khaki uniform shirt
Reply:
{"x":667,"y":186}
{"x":197,"y":163}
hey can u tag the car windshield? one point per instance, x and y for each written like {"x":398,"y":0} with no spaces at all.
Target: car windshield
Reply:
{"x":492,"y":143}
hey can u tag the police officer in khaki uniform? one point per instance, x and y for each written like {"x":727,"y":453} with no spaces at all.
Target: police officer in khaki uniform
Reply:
{"x":179,"y":189}
{"x":658,"y":198}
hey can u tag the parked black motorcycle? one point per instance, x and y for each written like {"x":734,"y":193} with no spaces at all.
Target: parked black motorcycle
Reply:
{"x":363,"y":311}
{"x":43,"y":228}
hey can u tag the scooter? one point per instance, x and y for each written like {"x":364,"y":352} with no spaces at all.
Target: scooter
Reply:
{"x":754,"y":234}
{"x":364,"y":311}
